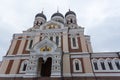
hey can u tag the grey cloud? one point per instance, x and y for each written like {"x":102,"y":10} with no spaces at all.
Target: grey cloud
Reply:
{"x":106,"y":36}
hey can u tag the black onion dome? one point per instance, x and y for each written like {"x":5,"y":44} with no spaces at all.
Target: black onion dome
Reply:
{"x":57,"y":14}
{"x":70,"y":12}
{"x":41,"y":15}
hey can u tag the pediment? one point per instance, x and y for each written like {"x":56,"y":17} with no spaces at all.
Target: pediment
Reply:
{"x":52,"y":25}
{"x":45,"y":45}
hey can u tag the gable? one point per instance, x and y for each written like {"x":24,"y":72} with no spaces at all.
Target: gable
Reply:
{"x":45,"y":45}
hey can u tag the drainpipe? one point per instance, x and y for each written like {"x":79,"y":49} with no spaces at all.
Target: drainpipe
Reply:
{"x":92,"y":66}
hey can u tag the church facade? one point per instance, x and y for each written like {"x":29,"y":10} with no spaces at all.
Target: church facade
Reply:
{"x":57,"y":49}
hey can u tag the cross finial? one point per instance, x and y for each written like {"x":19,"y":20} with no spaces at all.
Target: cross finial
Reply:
{"x":69,"y":9}
{"x":57,"y":9}
{"x":42,"y":10}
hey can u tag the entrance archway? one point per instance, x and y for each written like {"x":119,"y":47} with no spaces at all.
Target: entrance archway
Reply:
{"x":40,"y":63}
{"x":44,"y":68}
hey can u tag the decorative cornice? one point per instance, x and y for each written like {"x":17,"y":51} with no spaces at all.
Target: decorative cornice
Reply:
{"x":13,"y":57}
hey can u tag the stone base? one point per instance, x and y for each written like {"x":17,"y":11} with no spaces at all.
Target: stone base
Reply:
{"x":63,"y":78}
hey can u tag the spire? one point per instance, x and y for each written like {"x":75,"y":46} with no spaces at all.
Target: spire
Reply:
{"x":57,"y":9}
{"x":42,"y":10}
{"x":69,"y":9}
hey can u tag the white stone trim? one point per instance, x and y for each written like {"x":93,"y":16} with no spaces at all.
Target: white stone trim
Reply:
{"x":73,"y":74}
{"x":14,"y":57}
{"x":28,"y":44}
{"x":66,"y":74}
{"x":104,"y":54}
{"x":79,"y":55}
{"x":75,"y":31}
{"x":108,"y":74}
{"x":12,"y":75}
{"x":54,"y":39}
{"x":59,"y":41}
{"x":96,"y":74}
{"x":82,"y":74}
{"x":51,"y":22}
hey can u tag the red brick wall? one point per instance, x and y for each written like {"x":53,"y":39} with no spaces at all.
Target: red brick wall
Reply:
{"x":9,"y":67}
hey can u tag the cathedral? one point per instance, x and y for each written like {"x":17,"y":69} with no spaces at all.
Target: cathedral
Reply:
{"x":57,"y":49}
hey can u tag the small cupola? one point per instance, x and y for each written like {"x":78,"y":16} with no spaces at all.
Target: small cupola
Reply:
{"x":70,"y":13}
{"x":70,"y":17}
{"x":58,"y":17}
{"x":40,"y":19}
{"x":41,"y":15}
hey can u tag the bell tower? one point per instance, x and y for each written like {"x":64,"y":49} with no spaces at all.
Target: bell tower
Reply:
{"x":70,"y":18}
{"x":40,"y":19}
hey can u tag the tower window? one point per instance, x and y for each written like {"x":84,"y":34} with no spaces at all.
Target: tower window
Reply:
{"x":74,"y":42}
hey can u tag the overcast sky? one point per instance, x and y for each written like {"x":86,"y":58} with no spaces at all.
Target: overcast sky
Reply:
{"x":100,"y":18}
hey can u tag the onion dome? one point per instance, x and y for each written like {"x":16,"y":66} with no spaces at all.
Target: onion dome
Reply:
{"x":70,"y":12}
{"x":41,"y":15}
{"x":57,"y":14}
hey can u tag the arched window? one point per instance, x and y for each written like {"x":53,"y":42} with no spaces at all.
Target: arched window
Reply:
{"x":74,"y":21}
{"x":23,"y":66}
{"x":117,"y":63}
{"x":71,"y":21}
{"x":74,"y":42}
{"x":110,"y":65}
{"x":95,"y":64}
{"x":109,"y":62}
{"x":77,"y":65}
{"x":57,"y":40}
{"x":37,"y":23}
{"x":41,"y":23}
{"x":102,"y":64}
{"x":51,"y":38}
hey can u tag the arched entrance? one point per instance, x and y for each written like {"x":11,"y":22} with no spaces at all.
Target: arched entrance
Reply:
{"x":44,"y":67}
